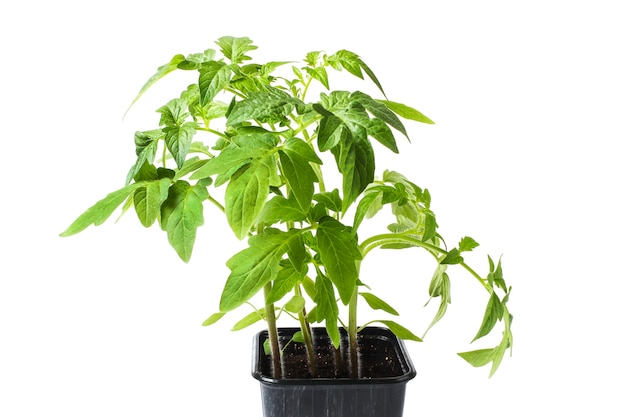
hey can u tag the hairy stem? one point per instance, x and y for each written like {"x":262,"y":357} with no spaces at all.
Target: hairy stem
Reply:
{"x":273,"y":333}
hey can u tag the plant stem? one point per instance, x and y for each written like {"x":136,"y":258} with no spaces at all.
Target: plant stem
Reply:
{"x":387,"y":238}
{"x":308,"y":337}
{"x":352,"y":334}
{"x":273,"y":333}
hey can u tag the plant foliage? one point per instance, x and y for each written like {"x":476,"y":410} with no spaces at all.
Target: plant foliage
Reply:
{"x":252,"y":131}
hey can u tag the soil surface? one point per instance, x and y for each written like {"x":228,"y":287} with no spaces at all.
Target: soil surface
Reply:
{"x":378,"y":358}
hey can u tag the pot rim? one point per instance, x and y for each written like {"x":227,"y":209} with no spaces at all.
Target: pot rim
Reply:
{"x":408,"y":370}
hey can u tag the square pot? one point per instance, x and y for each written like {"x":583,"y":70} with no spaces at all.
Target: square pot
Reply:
{"x":385,"y":369}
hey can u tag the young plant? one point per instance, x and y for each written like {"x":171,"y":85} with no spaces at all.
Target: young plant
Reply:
{"x":247,"y":138}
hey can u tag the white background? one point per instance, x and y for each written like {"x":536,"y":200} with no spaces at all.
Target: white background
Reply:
{"x":529,"y":98}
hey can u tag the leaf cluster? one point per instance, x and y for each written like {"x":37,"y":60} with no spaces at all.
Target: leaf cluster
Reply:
{"x":252,"y":132}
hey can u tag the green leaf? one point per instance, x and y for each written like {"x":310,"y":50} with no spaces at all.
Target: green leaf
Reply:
{"x":406,"y":112}
{"x":378,"y":304}
{"x":467,"y":244}
{"x":326,"y":307}
{"x":161,"y":72}
{"x":301,"y":148}
{"x":174,"y":113}
{"x":254,"y":267}
{"x":379,"y":109}
{"x":400,"y":331}
{"x":439,"y":288}
{"x":249,"y":320}
{"x":213,"y":319}
{"x":330,"y":199}
{"x":281,"y":209}
{"x":146,"y":145}
{"x":295,"y":304}
{"x":214,"y":77}
{"x":148,"y":200}
{"x":181,"y":215}
{"x":319,"y":74}
{"x":235,"y":48}
{"x":195,"y":61}
{"x":299,"y":176}
{"x":178,"y":140}
{"x":452,"y":257}
{"x":285,"y":282}
{"x":339,"y":251}
{"x":493,"y":313}
{"x":102,"y":210}
{"x":355,"y":160}
{"x":271,"y":106}
{"x":246,"y":194}
{"x":480,"y":357}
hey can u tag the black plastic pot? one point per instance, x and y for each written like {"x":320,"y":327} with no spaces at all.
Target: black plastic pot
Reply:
{"x":385,"y":369}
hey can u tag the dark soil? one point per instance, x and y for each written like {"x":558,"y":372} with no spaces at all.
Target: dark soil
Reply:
{"x":378,"y":358}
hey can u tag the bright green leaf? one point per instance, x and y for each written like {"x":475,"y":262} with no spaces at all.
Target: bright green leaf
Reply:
{"x":213,"y":319}
{"x":214,"y":77}
{"x":406,"y":112}
{"x":400,"y":331}
{"x":339,"y":252}
{"x":467,"y":244}
{"x":181,"y":215}
{"x":254,"y":267}
{"x":378,"y":304}
{"x":148,"y":200}
{"x":102,"y":210}
{"x":493,"y":313}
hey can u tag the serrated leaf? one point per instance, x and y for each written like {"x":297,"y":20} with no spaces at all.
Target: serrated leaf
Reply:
{"x":355,"y":160}
{"x":379,"y":109}
{"x":102,"y":210}
{"x":181,"y":215}
{"x":467,"y":244}
{"x":271,"y":106}
{"x":235,"y":48}
{"x":254,"y":267}
{"x":330,"y":199}
{"x":339,"y":251}
{"x":146,"y":145}
{"x":400,"y":331}
{"x":214,"y":77}
{"x":377,"y":304}
{"x":195,"y":61}
{"x":178,"y":140}
{"x":319,"y":74}
{"x":148,"y":200}
{"x":246,"y":195}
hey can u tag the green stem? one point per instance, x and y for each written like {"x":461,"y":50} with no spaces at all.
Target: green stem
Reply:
{"x":352,"y":335}
{"x":273,"y":333}
{"x":308,"y":337}
{"x":390,"y":238}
